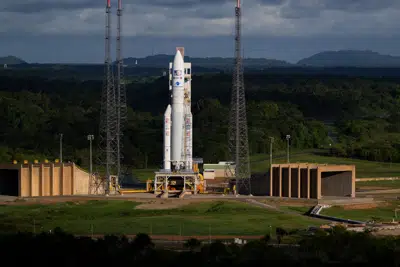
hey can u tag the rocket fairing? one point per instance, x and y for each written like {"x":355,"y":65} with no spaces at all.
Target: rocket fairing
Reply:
{"x":188,"y":140}
{"x":178,"y":119}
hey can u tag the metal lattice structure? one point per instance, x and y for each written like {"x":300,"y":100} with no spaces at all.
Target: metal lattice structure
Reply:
{"x":238,"y":136}
{"x":120,"y":93}
{"x":108,"y":115}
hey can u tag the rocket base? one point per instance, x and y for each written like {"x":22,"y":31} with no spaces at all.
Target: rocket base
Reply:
{"x":177,"y":184}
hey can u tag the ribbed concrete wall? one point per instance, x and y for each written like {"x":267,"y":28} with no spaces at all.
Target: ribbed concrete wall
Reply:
{"x":45,"y":179}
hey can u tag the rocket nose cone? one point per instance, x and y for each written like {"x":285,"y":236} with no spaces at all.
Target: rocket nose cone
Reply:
{"x":168,"y":110}
{"x":178,"y":60}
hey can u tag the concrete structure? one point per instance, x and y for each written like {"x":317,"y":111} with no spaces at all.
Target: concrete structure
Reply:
{"x":43,"y":179}
{"x":305,"y":181}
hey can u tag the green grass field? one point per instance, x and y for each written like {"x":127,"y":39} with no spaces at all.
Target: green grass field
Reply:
{"x":121,"y":217}
{"x":380,"y":213}
{"x":260,"y":163}
{"x":389,"y":184}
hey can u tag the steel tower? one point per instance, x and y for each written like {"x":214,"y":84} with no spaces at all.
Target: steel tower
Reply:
{"x":108,"y":119}
{"x":238,"y":137}
{"x":120,"y":93}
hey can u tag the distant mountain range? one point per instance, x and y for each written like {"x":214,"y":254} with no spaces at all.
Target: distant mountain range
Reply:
{"x":208,"y":62}
{"x":11,"y":60}
{"x":342,"y":58}
{"x":350,"y":58}
{"x":327,"y":59}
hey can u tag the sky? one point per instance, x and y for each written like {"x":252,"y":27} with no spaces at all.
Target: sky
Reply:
{"x":72,"y":31}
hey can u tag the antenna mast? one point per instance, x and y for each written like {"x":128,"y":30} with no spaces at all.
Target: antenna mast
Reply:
{"x":107,"y":133}
{"x":238,"y":136}
{"x":121,"y":93}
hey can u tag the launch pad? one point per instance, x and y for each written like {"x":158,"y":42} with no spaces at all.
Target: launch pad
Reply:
{"x":167,"y":183}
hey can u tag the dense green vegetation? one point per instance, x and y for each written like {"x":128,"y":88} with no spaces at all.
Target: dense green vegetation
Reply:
{"x":334,"y":248}
{"x":122,"y":217}
{"x":364,"y":168}
{"x":347,"y":117}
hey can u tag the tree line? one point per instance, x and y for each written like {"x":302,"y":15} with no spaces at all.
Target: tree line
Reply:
{"x":353,"y":116}
{"x":333,"y":248}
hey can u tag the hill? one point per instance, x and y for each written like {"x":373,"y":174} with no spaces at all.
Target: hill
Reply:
{"x":11,"y":60}
{"x":208,"y":62}
{"x":350,"y":58}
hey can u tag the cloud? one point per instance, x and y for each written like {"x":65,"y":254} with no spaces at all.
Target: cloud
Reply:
{"x":185,"y":18}
{"x":315,"y":8}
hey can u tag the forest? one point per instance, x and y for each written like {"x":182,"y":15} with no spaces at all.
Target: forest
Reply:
{"x":320,"y":249}
{"x":356,"y":117}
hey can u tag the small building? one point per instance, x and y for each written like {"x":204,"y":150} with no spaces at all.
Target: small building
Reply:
{"x":222,"y":169}
{"x":307,"y":181}
{"x":43,"y":179}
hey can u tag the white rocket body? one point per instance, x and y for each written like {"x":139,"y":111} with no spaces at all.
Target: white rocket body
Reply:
{"x":179,"y":153}
{"x":178,"y":83}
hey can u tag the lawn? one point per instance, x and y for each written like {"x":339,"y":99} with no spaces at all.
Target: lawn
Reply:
{"x":389,"y":184}
{"x":121,"y":217}
{"x":381,"y":213}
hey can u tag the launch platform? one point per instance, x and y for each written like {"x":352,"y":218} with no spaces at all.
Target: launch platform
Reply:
{"x":170,"y":184}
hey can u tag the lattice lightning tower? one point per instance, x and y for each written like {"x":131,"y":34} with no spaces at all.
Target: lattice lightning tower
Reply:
{"x":120,"y":93}
{"x":238,"y":137}
{"x":108,"y":119}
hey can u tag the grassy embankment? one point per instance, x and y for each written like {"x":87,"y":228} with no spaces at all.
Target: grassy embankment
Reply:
{"x":384,"y":212}
{"x":121,"y":217}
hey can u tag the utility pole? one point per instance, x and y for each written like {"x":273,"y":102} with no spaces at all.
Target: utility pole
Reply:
{"x":288,"y":145}
{"x":270,"y":150}
{"x":90,"y":138}
{"x":61,"y":155}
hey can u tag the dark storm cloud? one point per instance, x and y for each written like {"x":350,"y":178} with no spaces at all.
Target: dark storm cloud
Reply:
{"x":272,"y":2}
{"x":295,"y":9}
{"x":36,"y":6}
{"x":360,"y":5}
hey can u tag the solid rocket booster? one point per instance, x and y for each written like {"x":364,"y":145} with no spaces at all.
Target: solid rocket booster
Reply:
{"x":189,"y":140}
{"x":177,"y":108}
{"x":167,"y":138}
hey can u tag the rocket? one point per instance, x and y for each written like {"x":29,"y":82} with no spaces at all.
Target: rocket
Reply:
{"x":178,"y":119}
